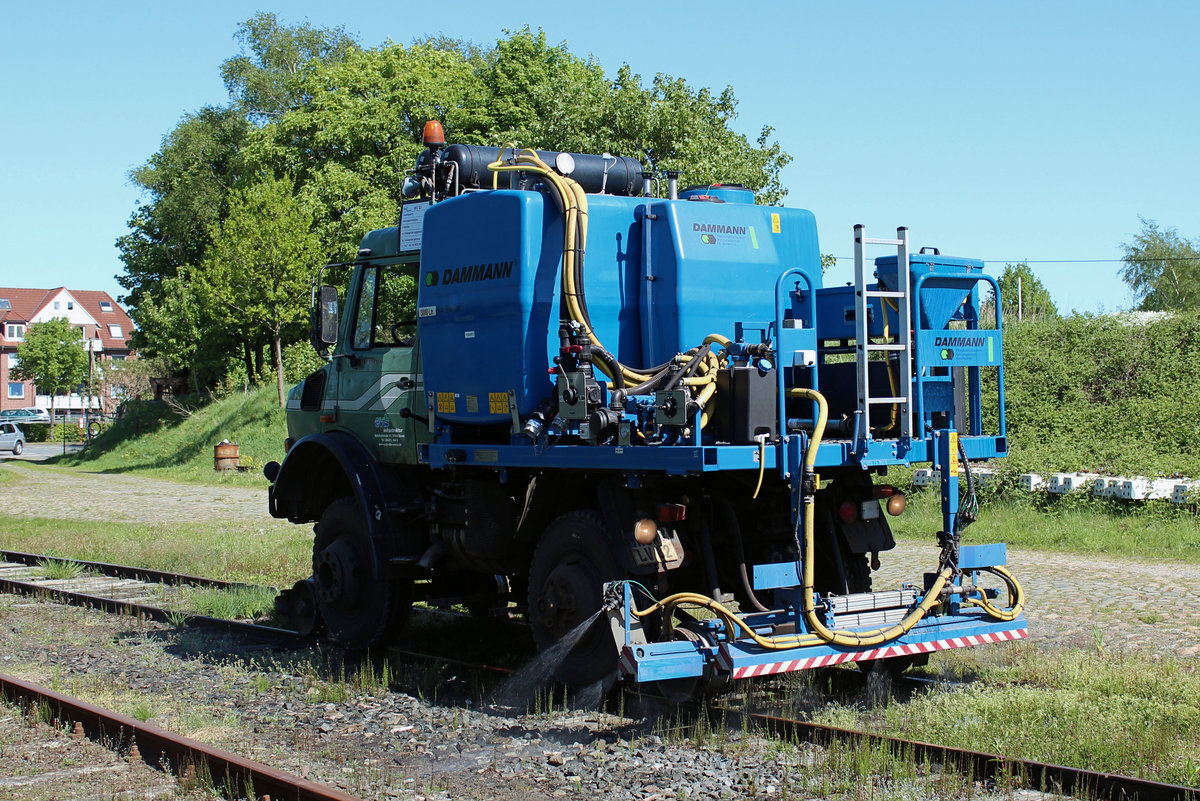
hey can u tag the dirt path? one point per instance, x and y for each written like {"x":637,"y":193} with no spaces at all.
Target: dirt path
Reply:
{"x":1074,"y":600}
{"x":66,"y":494}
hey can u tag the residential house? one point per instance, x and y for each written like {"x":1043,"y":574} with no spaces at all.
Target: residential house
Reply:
{"x":104,"y":329}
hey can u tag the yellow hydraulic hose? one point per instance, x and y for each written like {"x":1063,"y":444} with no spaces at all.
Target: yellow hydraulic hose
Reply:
{"x":822,"y":634}
{"x":1016,"y":597}
{"x":808,"y":602}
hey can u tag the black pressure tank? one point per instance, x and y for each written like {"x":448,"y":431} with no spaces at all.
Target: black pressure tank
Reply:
{"x":624,"y":175}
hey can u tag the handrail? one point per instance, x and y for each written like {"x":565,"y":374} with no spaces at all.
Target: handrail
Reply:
{"x":781,"y":394}
{"x":971,"y":278}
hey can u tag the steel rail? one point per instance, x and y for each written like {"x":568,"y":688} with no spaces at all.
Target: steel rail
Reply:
{"x":283,"y":637}
{"x":1036,"y":775}
{"x":127,"y":571}
{"x":238,"y":775}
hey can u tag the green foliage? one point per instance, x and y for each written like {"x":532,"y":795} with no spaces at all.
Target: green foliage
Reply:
{"x":300,"y":361}
{"x":52,"y":356}
{"x":266,"y":80}
{"x":1105,"y":393}
{"x":1162,"y":269}
{"x":1022,"y":296}
{"x":187,"y":183}
{"x":255,"y":277}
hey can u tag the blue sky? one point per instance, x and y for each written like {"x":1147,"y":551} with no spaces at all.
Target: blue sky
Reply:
{"x":1002,"y":131}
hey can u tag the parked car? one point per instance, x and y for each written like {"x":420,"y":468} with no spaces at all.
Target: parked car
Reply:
{"x":33,"y":414}
{"x":11,"y":438}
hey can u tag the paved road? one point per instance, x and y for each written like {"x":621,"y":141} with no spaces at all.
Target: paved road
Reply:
{"x":39,"y":451}
{"x":1076,"y":600}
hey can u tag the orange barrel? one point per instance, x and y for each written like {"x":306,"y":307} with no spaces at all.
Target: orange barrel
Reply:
{"x":225,"y":456}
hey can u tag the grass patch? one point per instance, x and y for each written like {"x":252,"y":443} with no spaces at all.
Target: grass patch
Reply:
{"x":240,"y":603}
{"x":1072,"y":524}
{"x":59,"y":568}
{"x":230,"y":550}
{"x":1097,"y":710}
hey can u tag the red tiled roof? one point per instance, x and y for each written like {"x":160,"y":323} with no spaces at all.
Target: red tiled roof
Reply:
{"x":91,"y":299}
{"x":27,"y":303}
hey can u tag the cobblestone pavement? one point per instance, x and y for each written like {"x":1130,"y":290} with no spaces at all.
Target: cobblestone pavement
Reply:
{"x":1073,"y":600}
{"x":1086,"y":600}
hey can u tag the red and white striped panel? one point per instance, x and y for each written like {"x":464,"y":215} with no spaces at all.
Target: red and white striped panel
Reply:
{"x":627,"y":665}
{"x":877,"y":653}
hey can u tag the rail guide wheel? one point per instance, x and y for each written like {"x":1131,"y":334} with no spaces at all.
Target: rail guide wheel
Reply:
{"x":360,"y":604}
{"x":573,"y":561}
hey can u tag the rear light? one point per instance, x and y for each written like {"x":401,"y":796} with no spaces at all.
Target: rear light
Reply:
{"x":848,"y":511}
{"x":671,"y":512}
{"x":287,"y":444}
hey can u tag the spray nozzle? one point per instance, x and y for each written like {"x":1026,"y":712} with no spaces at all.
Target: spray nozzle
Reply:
{"x":613,"y":597}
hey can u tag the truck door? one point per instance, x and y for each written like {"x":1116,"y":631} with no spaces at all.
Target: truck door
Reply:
{"x":379,"y":373}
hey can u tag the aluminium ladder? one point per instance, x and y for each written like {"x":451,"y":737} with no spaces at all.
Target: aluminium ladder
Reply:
{"x":900,"y":299}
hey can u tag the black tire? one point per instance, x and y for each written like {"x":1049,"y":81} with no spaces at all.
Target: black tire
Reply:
{"x":574,"y":559}
{"x":858,"y":571}
{"x":18,"y":447}
{"x":360,"y":604}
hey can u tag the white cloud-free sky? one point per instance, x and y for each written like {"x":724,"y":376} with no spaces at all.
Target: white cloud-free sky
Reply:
{"x":1002,"y":131}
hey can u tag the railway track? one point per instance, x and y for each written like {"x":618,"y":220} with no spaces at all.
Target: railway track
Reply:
{"x":126,"y":590}
{"x":237,"y":776}
{"x":1035,"y":775}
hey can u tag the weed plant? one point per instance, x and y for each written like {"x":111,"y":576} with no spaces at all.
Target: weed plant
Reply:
{"x":61,"y":569}
{"x":1098,"y":710}
{"x":239,"y":603}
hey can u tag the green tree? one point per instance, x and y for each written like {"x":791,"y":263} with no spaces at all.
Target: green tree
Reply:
{"x":255,"y":278}
{"x":266,"y":79}
{"x":187,"y":183}
{"x":52,"y":357}
{"x":1023,"y":296}
{"x":1162,"y":269}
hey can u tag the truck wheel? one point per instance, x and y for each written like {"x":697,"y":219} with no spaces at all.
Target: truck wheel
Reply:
{"x":359,"y":604}
{"x":572,"y":562}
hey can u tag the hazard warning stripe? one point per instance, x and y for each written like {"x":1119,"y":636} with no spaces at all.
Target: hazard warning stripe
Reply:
{"x":876,"y":653}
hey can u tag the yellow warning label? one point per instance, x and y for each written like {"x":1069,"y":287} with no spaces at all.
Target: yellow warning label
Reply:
{"x":954,"y":453}
{"x":774,"y":223}
{"x":445,"y":403}
{"x":498,"y":402}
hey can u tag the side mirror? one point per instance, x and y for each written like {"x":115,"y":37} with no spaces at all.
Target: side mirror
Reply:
{"x":327,"y":304}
